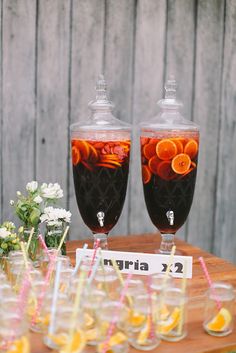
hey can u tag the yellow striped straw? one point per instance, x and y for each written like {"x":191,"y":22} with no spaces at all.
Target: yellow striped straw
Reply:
{"x":183,"y":291}
{"x":62,"y":239}
{"x":75,"y":312}
{"x":29,"y":240}
{"x":121,"y":279}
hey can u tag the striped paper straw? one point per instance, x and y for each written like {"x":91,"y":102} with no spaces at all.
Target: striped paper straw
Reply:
{"x":208,"y":278}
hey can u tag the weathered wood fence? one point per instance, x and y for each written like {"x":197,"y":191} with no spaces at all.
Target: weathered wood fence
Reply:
{"x":51,"y":52}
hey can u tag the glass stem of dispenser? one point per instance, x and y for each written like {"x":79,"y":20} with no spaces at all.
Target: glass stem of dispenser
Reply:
{"x":103,"y":240}
{"x":167,"y":241}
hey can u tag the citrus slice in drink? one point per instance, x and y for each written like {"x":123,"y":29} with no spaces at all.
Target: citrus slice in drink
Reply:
{"x":166,"y":149}
{"x":191,"y":148}
{"x":76,"y":157}
{"x":20,"y":346}
{"x":116,"y":339}
{"x":164,"y":312}
{"x":179,"y":144}
{"x":89,"y":320}
{"x":146,"y":174}
{"x":145,"y":332}
{"x":136,"y":319}
{"x":170,"y":323}
{"x":149,"y":150}
{"x":165,"y":171}
{"x":84,"y":148}
{"x":105,"y":165}
{"x":181,"y":163}
{"x":221,"y":321}
{"x":153,"y":164}
{"x":91,"y":334}
{"x":59,"y":339}
{"x":77,"y":344}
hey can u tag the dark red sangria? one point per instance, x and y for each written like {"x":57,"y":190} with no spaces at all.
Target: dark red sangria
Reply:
{"x":100,"y":170}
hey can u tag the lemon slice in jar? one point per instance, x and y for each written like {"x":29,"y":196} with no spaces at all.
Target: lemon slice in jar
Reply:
{"x":170,"y":323}
{"x":20,"y":346}
{"x":221,"y":321}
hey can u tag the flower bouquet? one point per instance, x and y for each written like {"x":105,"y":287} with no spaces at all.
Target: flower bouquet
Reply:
{"x":56,"y":220}
{"x":9,"y":241}
{"x":30,"y":207}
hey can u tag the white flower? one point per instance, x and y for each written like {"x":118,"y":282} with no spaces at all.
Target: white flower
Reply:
{"x":38,"y":199}
{"x":51,"y":191}
{"x":53,"y":215}
{"x":18,"y":193}
{"x":4,"y":232}
{"x":32,"y":186}
{"x":12,"y":202}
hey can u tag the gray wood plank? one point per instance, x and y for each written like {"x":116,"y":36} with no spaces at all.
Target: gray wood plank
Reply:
{"x":180,"y":56}
{"x":52,"y":92}
{"x":225,"y":222}
{"x":87,"y":64}
{"x":148,"y":87}
{"x":206,"y":114}
{"x":1,"y":122}
{"x":18,"y":90}
{"x":119,"y":43}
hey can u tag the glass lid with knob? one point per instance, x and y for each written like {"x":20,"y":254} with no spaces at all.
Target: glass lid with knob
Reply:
{"x":100,"y":149}
{"x":169,"y":155}
{"x":169,"y":117}
{"x":101,"y":119}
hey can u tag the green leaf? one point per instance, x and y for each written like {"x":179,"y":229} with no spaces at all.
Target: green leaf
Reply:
{"x":34,"y":216}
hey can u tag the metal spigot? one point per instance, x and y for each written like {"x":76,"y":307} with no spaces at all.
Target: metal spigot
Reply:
{"x":171,"y":217}
{"x":100,"y":217}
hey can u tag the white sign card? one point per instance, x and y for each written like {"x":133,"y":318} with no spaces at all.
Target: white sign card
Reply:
{"x":143,"y":263}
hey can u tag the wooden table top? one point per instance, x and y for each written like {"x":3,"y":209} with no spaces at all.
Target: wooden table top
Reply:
{"x":197,"y":341}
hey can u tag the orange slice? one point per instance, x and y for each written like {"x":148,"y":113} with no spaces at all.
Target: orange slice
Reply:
{"x":78,"y":343}
{"x":145,"y":332}
{"x":149,"y":150}
{"x":153,"y":164}
{"x":137,"y":319}
{"x":221,"y":321}
{"x":20,"y":346}
{"x":110,"y":156}
{"x":84,"y":148}
{"x":76,"y":157}
{"x":144,"y":140}
{"x":89,"y":321}
{"x":166,"y":149}
{"x":191,"y":148}
{"x":181,"y":163}
{"x":116,"y":339}
{"x":98,"y":145}
{"x":165,"y":171}
{"x":112,"y":162}
{"x":93,"y":155}
{"x":59,"y":339}
{"x":146,"y":174}
{"x":105,"y":165}
{"x":91,"y":335}
{"x":172,"y":321}
{"x":178,"y":144}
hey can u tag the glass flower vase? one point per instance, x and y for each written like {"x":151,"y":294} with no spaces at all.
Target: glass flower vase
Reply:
{"x":34,"y":249}
{"x":54,"y":234}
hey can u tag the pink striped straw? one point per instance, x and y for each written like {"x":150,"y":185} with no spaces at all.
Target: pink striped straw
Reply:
{"x":44,"y":245}
{"x":112,"y":325}
{"x":96,"y":245}
{"x":24,"y":293}
{"x":52,"y":260}
{"x":206,"y":273}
